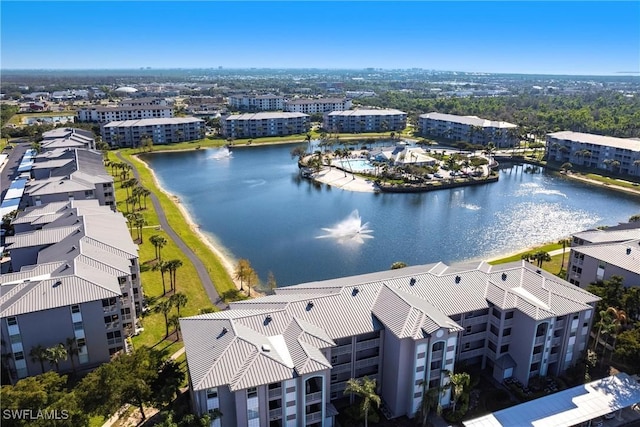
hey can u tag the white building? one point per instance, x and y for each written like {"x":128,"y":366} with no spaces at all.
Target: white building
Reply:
{"x":468,"y":128}
{"x":284,"y":359}
{"x":364,"y":120}
{"x":255,"y":125}
{"x":130,"y":133}
{"x":314,"y":106}
{"x":618,"y":155}
{"x":256,"y":102}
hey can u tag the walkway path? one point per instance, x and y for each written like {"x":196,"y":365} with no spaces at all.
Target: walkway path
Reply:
{"x":195,"y":260}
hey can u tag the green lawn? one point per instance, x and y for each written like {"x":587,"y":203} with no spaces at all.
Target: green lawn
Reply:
{"x":16,"y":119}
{"x":517,"y":257}
{"x":187,"y":278}
{"x":3,"y":143}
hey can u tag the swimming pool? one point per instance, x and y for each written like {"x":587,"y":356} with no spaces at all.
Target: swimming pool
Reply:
{"x":355,"y":165}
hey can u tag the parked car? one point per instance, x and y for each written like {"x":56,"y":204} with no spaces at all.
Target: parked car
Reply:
{"x":437,"y":175}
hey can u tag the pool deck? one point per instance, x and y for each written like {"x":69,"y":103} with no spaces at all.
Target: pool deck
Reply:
{"x":344,"y":180}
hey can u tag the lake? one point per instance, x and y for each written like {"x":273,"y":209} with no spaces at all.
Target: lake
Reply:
{"x":254,"y":205}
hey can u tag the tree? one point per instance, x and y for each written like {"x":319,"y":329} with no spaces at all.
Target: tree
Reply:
{"x":145,"y":193}
{"x":39,"y":354}
{"x":428,"y":403}
{"x":139,"y":222}
{"x":242,"y":269}
{"x":604,"y":323}
{"x":618,"y":319}
{"x":56,"y":354}
{"x":634,"y":218}
{"x":162,"y":267}
{"x":158,"y":243}
{"x":252,"y":280}
{"x":398,"y":264}
{"x":271,"y":281}
{"x":460,"y":383}
{"x":165,"y":307}
{"x":298,"y":151}
{"x":71,"y":345}
{"x":566,"y":167}
{"x":174,"y":322}
{"x":564,"y":243}
{"x":179,"y":300}
{"x":364,"y":388}
{"x":541,"y":257}
{"x":173,"y":266}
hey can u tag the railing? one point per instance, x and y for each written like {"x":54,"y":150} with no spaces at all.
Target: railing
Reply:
{"x":472,"y":353}
{"x":275,"y":392}
{"x":556,"y":341}
{"x":343,"y":349}
{"x":112,"y":325}
{"x":539,"y":340}
{"x":554,"y":357}
{"x":274,"y":414}
{"x":507,"y":322}
{"x":337,"y":369}
{"x":313,"y":397}
{"x":476,"y":320}
{"x":536,"y":358}
{"x":559,"y":324}
{"x":437,"y":355}
{"x":364,"y":345}
{"x":313,"y":418}
{"x":371,"y":361}
{"x":473,"y":336}
{"x":110,"y":308}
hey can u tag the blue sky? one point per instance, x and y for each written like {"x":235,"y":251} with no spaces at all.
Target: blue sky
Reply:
{"x":585,"y":37}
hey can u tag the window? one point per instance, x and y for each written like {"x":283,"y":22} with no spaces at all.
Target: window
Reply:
{"x":16,"y":339}
{"x":496,"y":313}
{"x":468,"y":330}
{"x":11,"y":321}
{"x":534,"y":366}
{"x":508,"y":315}
{"x":252,"y":392}
{"x":542,"y":329}
{"x":506,"y":332}
{"x":108,"y":302}
{"x":436,"y":365}
{"x":18,"y":355}
{"x":438,"y":346}
{"x":76,"y":308}
{"x":77,"y":326}
{"x":537,"y":349}
{"x":212,"y":393}
{"x":494,"y":330}
{"x":492,"y":346}
{"x":504,"y":348}
{"x":81,"y":342}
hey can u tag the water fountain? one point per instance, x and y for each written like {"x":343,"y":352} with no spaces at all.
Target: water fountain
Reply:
{"x":221,"y":153}
{"x":349,"y":230}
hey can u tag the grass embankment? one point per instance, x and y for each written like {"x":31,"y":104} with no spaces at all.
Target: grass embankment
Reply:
{"x":3,"y":143}
{"x":554,"y":266}
{"x":187,"y":278}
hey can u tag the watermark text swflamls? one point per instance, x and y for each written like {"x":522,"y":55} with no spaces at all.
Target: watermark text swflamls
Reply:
{"x":35,"y":414}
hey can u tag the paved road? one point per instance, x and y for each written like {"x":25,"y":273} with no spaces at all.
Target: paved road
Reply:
{"x":10,"y":169}
{"x":197,"y":263}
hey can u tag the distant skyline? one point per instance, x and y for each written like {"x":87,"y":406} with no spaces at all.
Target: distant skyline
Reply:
{"x":574,"y":38}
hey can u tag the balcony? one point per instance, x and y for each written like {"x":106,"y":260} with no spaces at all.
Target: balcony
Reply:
{"x":371,"y":361}
{"x":559,"y":324}
{"x":437,"y":355}
{"x":275,"y":414}
{"x":112,"y":325}
{"x":314,"y":417}
{"x":365,"y":345}
{"x":473,"y":337}
{"x":536,"y":358}
{"x":313,"y":397}
{"x":338,"y":369}
{"x":476,"y":320}
{"x":343,"y":349}
{"x":275,"y":393}
{"x":472,"y":353}
{"x":109,"y":308}
{"x":539,"y":340}
{"x":556,"y":341}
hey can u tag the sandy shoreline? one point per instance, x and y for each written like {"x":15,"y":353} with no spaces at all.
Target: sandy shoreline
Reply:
{"x":225,"y":260}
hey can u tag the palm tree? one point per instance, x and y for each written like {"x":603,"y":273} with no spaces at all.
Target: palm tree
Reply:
{"x":165,"y":307}
{"x":541,"y":257}
{"x":72,"y":350}
{"x":173,"y":266}
{"x":459,"y":385}
{"x":179,"y":300}
{"x":365,"y":388}
{"x":158,"y":243}
{"x":145,"y":193}
{"x":139,"y":223}
{"x":564,"y":243}
{"x":162,"y":267}
{"x":618,"y":319}
{"x":55,"y":354}
{"x":39,"y":354}
{"x":242,"y":268}
{"x":603,"y":323}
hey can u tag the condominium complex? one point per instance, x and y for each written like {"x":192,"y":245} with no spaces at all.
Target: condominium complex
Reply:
{"x":255,"y":125}
{"x":68,"y":174}
{"x":597,"y":255}
{"x":75,"y":281}
{"x":130,"y":133}
{"x":618,"y":155}
{"x":284,"y":359}
{"x":314,"y":106}
{"x":471,"y":129}
{"x":356,"y":121}
{"x":110,"y":114}
{"x":257,"y":102}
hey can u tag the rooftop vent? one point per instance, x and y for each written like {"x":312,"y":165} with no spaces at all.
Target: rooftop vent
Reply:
{"x":58,"y":283}
{"x":539,"y":271}
{"x":458,"y":278}
{"x":309,"y":305}
{"x":223,"y":332}
{"x":266,"y":347}
{"x":267,"y":319}
{"x":355,"y":292}
{"x":412,"y":281}
{"x":504,"y":276}
{"x":628,"y":251}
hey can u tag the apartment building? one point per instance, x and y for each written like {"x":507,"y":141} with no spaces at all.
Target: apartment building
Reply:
{"x":357,"y":121}
{"x":597,"y":255}
{"x":471,"y":129}
{"x":143,"y":102}
{"x":121,"y":113}
{"x":130,"y":133}
{"x":257,"y":102}
{"x":617,"y":155}
{"x":314,"y":106}
{"x":76,"y":276}
{"x":284,"y":359}
{"x":69,"y":174}
{"x":255,"y":125}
